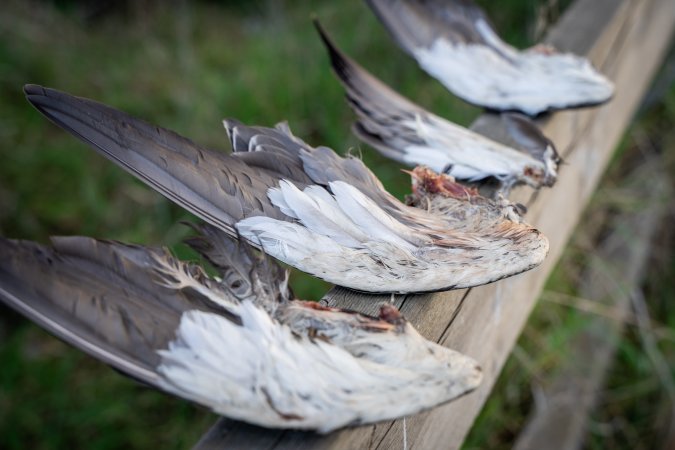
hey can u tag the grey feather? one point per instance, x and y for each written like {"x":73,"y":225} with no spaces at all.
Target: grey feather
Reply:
{"x":516,"y":130}
{"x":99,"y":296}
{"x":527,"y":136}
{"x":243,"y":272}
{"x":417,"y":23}
{"x":274,"y":150}
{"x":208,"y":183}
{"x":303,"y":163}
{"x":382,"y":112}
{"x":320,"y":165}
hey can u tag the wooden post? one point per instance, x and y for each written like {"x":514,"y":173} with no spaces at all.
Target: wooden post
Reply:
{"x":626,"y":40}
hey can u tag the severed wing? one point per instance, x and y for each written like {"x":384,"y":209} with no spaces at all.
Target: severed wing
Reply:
{"x":455,"y":43}
{"x":404,"y":131}
{"x":469,"y":238}
{"x":167,"y":324}
{"x":320,"y":213}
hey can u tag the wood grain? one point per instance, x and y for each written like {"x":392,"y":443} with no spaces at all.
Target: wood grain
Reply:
{"x":626,"y":40}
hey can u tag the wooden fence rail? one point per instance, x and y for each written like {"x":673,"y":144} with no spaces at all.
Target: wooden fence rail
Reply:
{"x":625,"y":39}
{"x":614,"y":273}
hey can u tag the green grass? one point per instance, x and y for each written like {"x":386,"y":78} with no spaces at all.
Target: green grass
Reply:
{"x":185,"y":67}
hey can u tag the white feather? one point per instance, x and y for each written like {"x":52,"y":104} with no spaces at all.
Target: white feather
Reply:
{"x":289,"y":242}
{"x":321,"y":193}
{"x":372,"y":219}
{"x":471,"y":155}
{"x":278,"y":199}
{"x":501,"y":77}
{"x":319,"y":213}
{"x":262,"y":373}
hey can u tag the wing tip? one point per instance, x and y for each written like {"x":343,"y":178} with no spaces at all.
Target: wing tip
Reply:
{"x":35,"y":94}
{"x":33,"y":89}
{"x":339,"y":61}
{"x":319,"y":29}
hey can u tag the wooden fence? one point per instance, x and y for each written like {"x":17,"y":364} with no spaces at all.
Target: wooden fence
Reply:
{"x":626,"y":40}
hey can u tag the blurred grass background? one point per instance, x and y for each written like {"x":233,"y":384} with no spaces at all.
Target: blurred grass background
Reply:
{"x":186,"y":66}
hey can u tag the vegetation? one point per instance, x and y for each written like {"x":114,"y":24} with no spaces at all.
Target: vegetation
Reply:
{"x":186,"y":66}
{"x":635,"y":408}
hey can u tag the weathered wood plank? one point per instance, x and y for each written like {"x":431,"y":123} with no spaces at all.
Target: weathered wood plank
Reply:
{"x":626,"y":39}
{"x":615,"y":270}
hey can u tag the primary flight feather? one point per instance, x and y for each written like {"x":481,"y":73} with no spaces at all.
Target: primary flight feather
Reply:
{"x":455,"y":43}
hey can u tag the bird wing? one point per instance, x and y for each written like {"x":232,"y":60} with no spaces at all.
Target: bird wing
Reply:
{"x":416,"y":23}
{"x":221,"y":189}
{"x":407,"y":133}
{"x":350,"y":232}
{"x":239,"y":198}
{"x":455,"y":43}
{"x":216,"y":187}
{"x":166,"y":323}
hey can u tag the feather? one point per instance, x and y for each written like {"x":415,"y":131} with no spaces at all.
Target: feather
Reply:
{"x":320,"y":215}
{"x":401,"y":130}
{"x":455,"y":43}
{"x":157,"y":319}
{"x":244,"y":274}
{"x":205,"y":182}
{"x":96,"y":295}
{"x":372,"y":220}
